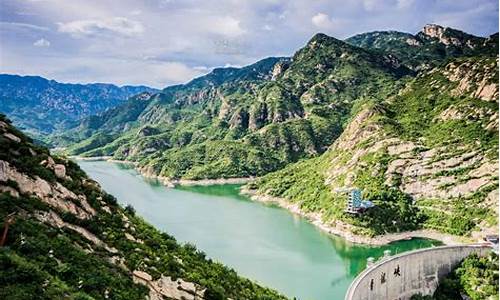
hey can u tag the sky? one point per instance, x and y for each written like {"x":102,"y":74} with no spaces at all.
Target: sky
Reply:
{"x":164,"y":42}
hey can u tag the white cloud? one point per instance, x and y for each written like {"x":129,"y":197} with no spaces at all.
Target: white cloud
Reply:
{"x":41,"y":43}
{"x":267,"y":27}
{"x":200,"y":32}
{"x":322,"y":20}
{"x":18,"y":25}
{"x":227,"y":26}
{"x":116,"y":26}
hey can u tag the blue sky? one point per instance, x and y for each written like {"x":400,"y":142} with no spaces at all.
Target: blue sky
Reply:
{"x":163,"y":42}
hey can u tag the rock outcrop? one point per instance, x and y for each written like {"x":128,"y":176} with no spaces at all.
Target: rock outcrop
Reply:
{"x":167,"y":287}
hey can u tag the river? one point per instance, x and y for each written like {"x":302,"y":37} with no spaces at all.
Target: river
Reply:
{"x":262,"y":242}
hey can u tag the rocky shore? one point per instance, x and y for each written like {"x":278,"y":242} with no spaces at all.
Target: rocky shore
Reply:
{"x":345,"y":230}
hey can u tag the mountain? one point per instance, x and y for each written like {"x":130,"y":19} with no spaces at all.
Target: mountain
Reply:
{"x":418,"y":135}
{"x":42,"y":106}
{"x":427,"y":157}
{"x":243,"y":122}
{"x":427,"y":48}
{"x":68,"y":239}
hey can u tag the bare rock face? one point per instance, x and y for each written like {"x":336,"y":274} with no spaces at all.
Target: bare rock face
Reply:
{"x":60,"y":171}
{"x":476,"y":79}
{"x":239,"y":119}
{"x":224,"y":110}
{"x":278,"y":69}
{"x":413,"y":42}
{"x":54,"y":194}
{"x":48,"y":163}
{"x":55,"y":220}
{"x":12,"y":137}
{"x":165,"y":287}
{"x":438,"y":175}
{"x":439,"y":32}
{"x":433,"y":30}
{"x":258,"y":116}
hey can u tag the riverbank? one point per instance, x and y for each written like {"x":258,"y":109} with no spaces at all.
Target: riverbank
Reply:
{"x":345,"y":230}
{"x":168,"y":182}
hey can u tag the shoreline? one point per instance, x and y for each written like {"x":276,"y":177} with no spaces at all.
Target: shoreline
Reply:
{"x":341,"y":229}
{"x":168,"y":182}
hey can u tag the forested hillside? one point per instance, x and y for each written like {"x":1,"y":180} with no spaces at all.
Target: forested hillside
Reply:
{"x":240,"y":126}
{"x":427,"y":157}
{"x":68,"y":239}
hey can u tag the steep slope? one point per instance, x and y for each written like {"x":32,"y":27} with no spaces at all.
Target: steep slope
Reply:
{"x":41,"y":106}
{"x":427,"y":157}
{"x":427,"y":48}
{"x":68,"y":239}
{"x":249,"y":123}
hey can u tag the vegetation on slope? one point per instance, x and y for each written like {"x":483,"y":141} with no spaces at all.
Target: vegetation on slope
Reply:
{"x":89,"y":255}
{"x":428,"y":48}
{"x":40,"y":106}
{"x":426,"y":157}
{"x":266,"y":115}
{"x":476,"y":277}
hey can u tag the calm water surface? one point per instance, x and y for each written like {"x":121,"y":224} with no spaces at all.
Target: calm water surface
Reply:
{"x":262,"y":242}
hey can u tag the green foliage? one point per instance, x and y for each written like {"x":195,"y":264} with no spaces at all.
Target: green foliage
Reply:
{"x":417,"y":51}
{"x":416,"y":113}
{"x":232,"y":113}
{"x":477,"y":277}
{"x":42,"y":260}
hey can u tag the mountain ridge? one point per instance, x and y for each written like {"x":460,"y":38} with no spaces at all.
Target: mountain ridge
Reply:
{"x":429,"y":47}
{"x":42,"y":106}
{"x":283,"y":111}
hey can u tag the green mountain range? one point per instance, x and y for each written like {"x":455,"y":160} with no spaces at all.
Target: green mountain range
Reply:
{"x":410,"y":119}
{"x":68,"y":239}
{"x":40,"y":106}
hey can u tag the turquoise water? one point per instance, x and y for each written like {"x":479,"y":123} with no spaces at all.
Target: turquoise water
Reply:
{"x":262,"y":242}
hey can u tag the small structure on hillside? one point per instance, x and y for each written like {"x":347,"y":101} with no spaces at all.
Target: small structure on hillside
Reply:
{"x":355,"y":203}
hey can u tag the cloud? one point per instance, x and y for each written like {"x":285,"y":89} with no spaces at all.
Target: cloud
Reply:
{"x":18,"y":25}
{"x":322,"y":20}
{"x":41,"y":43}
{"x":114,"y":26}
{"x":161,"y":42}
{"x":227,"y":26}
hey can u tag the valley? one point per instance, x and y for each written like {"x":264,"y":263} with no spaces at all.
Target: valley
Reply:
{"x":281,"y":179}
{"x":261,"y":242}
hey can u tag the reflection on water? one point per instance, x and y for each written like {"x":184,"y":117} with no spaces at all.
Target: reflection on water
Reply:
{"x":262,"y":242}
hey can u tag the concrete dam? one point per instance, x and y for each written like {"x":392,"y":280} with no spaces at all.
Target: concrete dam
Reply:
{"x":401,"y":276}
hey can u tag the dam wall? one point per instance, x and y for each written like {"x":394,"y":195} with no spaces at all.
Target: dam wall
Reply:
{"x":401,"y":276}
